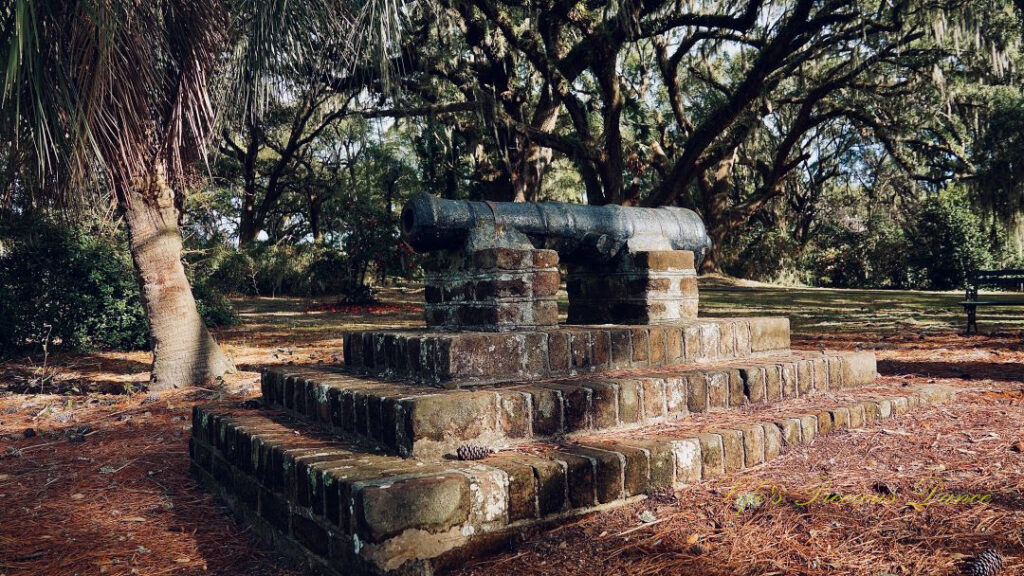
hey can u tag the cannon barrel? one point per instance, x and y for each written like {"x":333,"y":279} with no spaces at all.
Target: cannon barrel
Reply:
{"x":578,"y":232}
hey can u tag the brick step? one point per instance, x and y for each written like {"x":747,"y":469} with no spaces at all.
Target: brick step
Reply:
{"x":343,"y":510}
{"x":460,"y":359}
{"x":411,"y":420}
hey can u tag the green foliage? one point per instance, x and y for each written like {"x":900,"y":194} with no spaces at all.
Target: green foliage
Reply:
{"x":836,"y":259}
{"x":948,"y":242}
{"x":935,"y":247}
{"x":269,"y":269}
{"x":764,"y":253}
{"x":855,"y":255}
{"x":213,"y":306}
{"x":77,"y":290}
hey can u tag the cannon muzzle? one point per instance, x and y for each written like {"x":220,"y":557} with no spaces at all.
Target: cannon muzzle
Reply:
{"x":577,"y":232}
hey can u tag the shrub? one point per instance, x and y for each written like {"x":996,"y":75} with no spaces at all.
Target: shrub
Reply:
{"x":836,"y":258}
{"x":76,"y":289}
{"x":226,"y":270}
{"x":269,"y":269}
{"x":887,"y":252}
{"x":764,"y":254}
{"x":214,"y":306}
{"x":948,"y":241}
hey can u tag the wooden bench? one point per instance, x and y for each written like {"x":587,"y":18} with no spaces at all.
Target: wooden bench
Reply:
{"x":1012,"y":280}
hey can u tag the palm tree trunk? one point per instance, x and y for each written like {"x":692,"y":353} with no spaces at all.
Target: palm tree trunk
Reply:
{"x":184,"y":352}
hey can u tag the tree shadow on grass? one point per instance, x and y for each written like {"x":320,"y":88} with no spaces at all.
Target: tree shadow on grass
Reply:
{"x":1002,"y":371}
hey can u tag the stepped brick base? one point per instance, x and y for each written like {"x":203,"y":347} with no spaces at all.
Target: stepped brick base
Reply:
{"x":455,"y":359}
{"x":414,"y":421}
{"x":342,"y":510}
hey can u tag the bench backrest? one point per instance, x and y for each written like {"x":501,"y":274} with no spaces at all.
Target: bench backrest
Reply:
{"x":1008,"y":279}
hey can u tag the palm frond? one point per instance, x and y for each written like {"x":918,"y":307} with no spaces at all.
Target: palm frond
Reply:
{"x":278,"y":43}
{"x":117,"y":87}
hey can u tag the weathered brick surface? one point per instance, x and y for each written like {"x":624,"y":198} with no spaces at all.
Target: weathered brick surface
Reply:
{"x":430,"y":503}
{"x":579,"y":475}
{"x":712,"y":456}
{"x":718,"y":389}
{"x":791,"y":430}
{"x":732,"y":449}
{"x":636,"y":288}
{"x":856,"y":415}
{"x":840,"y":418}
{"x":754,"y":384}
{"x":469,"y":358}
{"x":768,"y":334}
{"x":689,"y":458}
{"x":773,"y":441}
{"x":495,"y":289}
{"x":753,"y":445}
{"x":808,"y":428}
{"x":859,"y":369}
{"x":609,"y":467}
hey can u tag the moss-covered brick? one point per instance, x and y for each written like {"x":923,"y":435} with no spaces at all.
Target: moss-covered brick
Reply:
{"x":579,"y":477}
{"x":609,"y":469}
{"x":696,"y":393}
{"x":753,"y":445}
{"x":772,"y":441}
{"x":732,"y":449}
{"x":712,"y":456}
{"x":522,"y":486}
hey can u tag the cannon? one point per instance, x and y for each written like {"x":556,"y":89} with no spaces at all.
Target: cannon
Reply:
{"x":579,"y":233}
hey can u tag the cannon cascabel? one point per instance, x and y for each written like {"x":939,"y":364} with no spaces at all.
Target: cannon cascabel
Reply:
{"x":577,"y":232}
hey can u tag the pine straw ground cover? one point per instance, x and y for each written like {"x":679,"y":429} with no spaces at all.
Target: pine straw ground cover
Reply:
{"x":103,"y":485}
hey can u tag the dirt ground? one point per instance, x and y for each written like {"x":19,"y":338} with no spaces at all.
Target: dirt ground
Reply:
{"x":94,"y":471}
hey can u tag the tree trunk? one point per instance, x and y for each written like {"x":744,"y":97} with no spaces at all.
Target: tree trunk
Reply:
{"x":248,"y":224}
{"x":184,"y":352}
{"x":716,"y":210}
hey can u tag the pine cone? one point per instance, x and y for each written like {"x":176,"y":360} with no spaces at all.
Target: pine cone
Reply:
{"x":472,"y":452}
{"x":987,"y":563}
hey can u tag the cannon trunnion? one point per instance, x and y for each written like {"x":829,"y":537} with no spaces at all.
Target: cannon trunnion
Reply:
{"x":496,"y":264}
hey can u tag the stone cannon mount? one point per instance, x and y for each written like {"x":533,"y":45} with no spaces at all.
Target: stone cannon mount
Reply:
{"x":350,"y":470}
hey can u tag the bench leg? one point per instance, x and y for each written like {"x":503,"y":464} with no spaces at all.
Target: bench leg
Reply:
{"x":972,"y":319}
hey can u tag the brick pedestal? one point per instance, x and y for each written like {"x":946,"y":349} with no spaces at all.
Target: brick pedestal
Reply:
{"x":635,"y":288}
{"x":492,"y":290}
